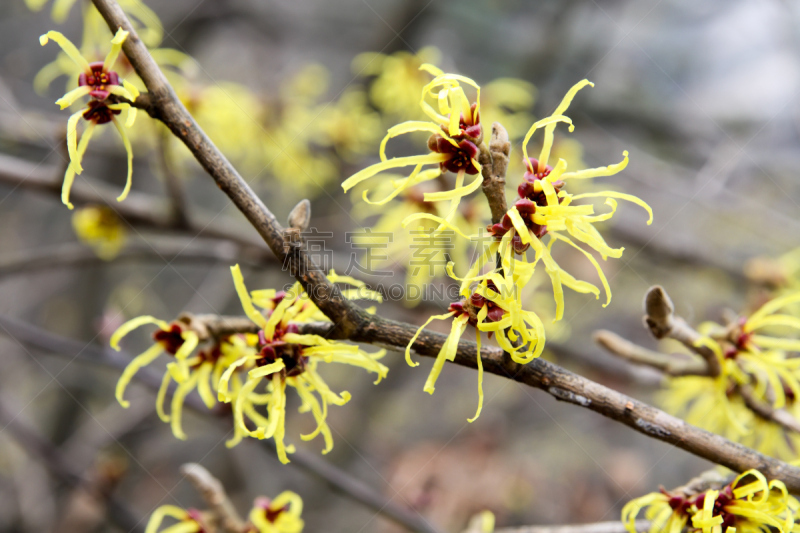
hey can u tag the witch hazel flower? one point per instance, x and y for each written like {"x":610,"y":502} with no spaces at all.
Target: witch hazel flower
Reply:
{"x":453,"y":146}
{"x":99,"y":83}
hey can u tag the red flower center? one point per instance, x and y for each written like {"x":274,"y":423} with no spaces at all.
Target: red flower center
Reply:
{"x":170,"y":339}
{"x":98,"y":79}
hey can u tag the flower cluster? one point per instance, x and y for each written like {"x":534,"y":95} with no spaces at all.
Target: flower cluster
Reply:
{"x":99,"y":82}
{"x":757,"y":352}
{"x":545,"y":208}
{"x":749,"y":504}
{"x":252,"y":371}
{"x":279,"y":515}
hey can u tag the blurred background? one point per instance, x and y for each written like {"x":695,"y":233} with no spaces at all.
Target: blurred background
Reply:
{"x":704,"y":96}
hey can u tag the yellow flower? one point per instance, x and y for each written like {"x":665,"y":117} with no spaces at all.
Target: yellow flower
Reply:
{"x":145,"y":21}
{"x":747,"y":358}
{"x":201,"y":371}
{"x":100,"y":228}
{"x":492,"y":306}
{"x":281,"y":515}
{"x":190,"y":521}
{"x":546,"y":208}
{"x":97,"y":81}
{"x":750,"y":504}
{"x":287,"y":357}
{"x":456,"y":133}
{"x":397,"y":79}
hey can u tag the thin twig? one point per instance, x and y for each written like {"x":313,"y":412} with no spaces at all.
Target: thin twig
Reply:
{"x":633,"y":353}
{"x":661,"y":320}
{"x":77,"y":255}
{"x":766,"y":411}
{"x":494,"y":163}
{"x":212,"y":491}
{"x":175,"y":189}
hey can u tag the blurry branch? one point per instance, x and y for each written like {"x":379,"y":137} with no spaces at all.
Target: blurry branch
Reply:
{"x":212,"y":491}
{"x":173,"y":182}
{"x":639,"y":355}
{"x":77,"y":255}
{"x":336,"y":478}
{"x":50,"y":456}
{"x":766,"y":411}
{"x":598,"y":527}
{"x":494,"y":163}
{"x":351,"y":322}
{"x":662,"y":321}
{"x":139,"y":209}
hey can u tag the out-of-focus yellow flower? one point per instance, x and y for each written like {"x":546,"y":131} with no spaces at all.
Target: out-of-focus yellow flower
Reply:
{"x":453,"y":146}
{"x":281,"y":515}
{"x":546,"y":208}
{"x":97,"y":81}
{"x":750,"y":504}
{"x":287,"y":357}
{"x":508,"y":101}
{"x":189,"y":521}
{"x":398,"y":79}
{"x":101,"y":229}
{"x":349,"y":126}
{"x":482,"y":522}
{"x":145,"y":21}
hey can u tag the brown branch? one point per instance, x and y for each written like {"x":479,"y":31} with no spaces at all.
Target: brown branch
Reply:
{"x":638,"y":355}
{"x":76,"y":255}
{"x":351,"y":322}
{"x":212,"y":491}
{"x":662,"y":322}
{"x":167,"y":107}
{"x":766,"y":411}
{"x":494,"y":163}
{"x":175,"y":188}
{"x":139,"y":210}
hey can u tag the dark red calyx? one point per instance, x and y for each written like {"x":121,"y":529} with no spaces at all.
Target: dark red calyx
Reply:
{"x":170,"y":339}
{"x":460,"y":157}
{"x":291,"y":354}
{"x":99,"y":113}
{"x":197,"y":516}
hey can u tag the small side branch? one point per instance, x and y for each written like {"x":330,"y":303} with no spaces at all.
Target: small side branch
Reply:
{"x":638,"y":355}
{"x":661,"y":320}
{"x":494,"y":164}
{"x":766,"y":411}
{"x":209,"y":487}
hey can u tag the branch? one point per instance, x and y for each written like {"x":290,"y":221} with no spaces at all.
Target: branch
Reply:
{"x":660,"y":318}
{"x":494,"y":163}
{"x":139,"y":209}
{"x":209,"y":487}
{"x":638,"y":355}
{"x":77,"y":254}
{"x":564,"y":385}
{"x":766,"y":411}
